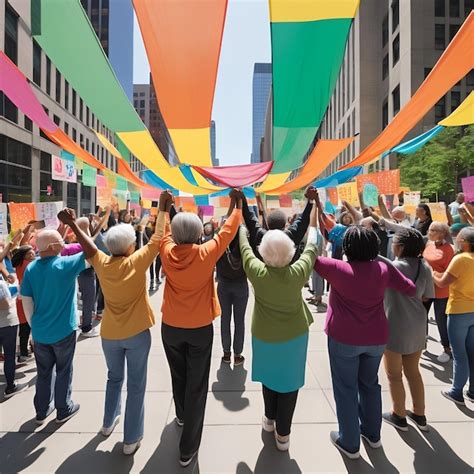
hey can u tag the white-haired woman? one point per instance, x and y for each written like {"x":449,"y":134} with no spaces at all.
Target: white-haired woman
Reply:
{"x":190,"y":305}
{"x":127,"y":320}
{"x":280,"y":323}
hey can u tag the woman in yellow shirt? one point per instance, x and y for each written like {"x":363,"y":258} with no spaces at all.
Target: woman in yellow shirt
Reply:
{"x":459,"y":276}
{"x":128,"y":316}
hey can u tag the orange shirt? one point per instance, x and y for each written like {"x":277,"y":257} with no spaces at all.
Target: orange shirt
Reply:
{"x":190,"y":299}
{"x":439,"y":257}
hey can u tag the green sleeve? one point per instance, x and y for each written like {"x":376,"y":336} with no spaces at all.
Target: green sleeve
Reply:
{"x":251,"y":264}
{"x":303,"y":267}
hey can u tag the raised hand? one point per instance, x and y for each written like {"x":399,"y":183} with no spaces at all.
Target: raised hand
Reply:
{"x":67,"y":216}
{"x":311,"y":193}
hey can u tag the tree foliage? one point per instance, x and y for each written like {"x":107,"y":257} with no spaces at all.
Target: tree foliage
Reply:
{"x":438,"y":167}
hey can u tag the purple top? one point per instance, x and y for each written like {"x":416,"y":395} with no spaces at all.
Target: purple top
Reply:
{"x":356,"y":313}
{"x":71,"y":249}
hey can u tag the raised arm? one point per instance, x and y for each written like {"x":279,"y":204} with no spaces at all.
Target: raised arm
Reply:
{"x":297,"y":230}
{"x":353,"y":211}
{"x":68,"y":217}
{"x":250,"y":263}
{"x":102,"y":223}
{"x":383,"y":208}
{"x":390,"y":225}
{"x":252,"y":223}
{"x":261,"y":210}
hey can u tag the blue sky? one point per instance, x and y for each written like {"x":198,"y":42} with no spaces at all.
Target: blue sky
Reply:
{"x":246,"y":41}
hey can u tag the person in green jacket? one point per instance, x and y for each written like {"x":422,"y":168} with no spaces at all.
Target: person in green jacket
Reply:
{"x":280,"y":323}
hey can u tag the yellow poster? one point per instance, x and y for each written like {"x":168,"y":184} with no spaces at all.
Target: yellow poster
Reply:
{"x":348,"y":192}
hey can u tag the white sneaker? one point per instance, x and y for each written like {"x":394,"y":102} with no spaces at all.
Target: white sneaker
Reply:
{"x":129,"y":449}
{"x":267,"y":424}
{"x":108,"y":431}
{"x":94,"y":332}
{"x":444,"y":357}
{"x":282,"y":442}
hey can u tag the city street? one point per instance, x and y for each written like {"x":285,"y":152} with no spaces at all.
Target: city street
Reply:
{"x":233,"y":441}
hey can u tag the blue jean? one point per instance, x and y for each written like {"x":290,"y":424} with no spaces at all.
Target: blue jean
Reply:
{"x":461,"y":337}
{"x":48,"y":357}
{"x":135,"y":351}
{"x":357,"y":392}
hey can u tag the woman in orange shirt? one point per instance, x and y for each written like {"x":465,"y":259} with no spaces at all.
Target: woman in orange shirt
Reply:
{"x":190,"y":305}
{"x":439,"y":253}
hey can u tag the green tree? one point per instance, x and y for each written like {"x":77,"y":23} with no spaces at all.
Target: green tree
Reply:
{"x":438,"y":167}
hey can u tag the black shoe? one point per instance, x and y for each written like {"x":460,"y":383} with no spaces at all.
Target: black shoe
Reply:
{"x":419,"y":420}
{"x":226,"y":358}
{"x":397,"y":421}
{"x":185,"y":461}
{"x":39,"y":420}
{"x":14,"y":390}
{"x":469,"y":396}
{"x":74,"y":411}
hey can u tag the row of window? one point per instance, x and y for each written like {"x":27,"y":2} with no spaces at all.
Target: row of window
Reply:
{"x":454,"y":7}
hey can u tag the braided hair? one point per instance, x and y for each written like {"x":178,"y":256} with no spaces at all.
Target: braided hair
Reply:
{"x":360,"y":244}
{"x":412,"y":242}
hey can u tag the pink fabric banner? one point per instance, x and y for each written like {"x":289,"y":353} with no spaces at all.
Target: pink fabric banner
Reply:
{"x":151,"y":194}
{"x":15,"y":86}
{"x":206,"y":210}
{"x":237,"y":176}
{"x":101,"y":181}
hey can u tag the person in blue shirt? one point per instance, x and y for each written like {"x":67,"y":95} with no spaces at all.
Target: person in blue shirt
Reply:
{"x":48,"y":294}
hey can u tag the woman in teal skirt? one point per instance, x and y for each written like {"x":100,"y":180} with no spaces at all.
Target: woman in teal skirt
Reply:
{"x":280,"y":324}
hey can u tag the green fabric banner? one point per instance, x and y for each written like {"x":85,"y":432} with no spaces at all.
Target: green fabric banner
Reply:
{"x":89,"y":176}
{"x":121,"y":184}
{"x":135,"y":196}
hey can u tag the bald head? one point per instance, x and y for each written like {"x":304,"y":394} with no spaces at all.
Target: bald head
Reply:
{"x":83,"y":224}
{"x":49,"y":241}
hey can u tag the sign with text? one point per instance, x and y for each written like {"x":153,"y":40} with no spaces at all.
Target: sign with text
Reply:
{"x":438,"y":211}
{"x":21,"y":214}
{"x":387,"y":182}
{"x":63,"y":170}
{"x":3,"y":219}
{"x":370,"y":195}
{"x":348,"y":192}
{"x":48,"y":211}
{"x":104,"y":196}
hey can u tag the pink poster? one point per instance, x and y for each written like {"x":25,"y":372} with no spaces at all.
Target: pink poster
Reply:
{"x":468,"y":188}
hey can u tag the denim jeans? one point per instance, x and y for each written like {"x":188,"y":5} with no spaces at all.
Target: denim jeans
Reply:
{"x":461,"y":336}
{"x":8,"y":341}
{"x":357,"y":392}
{"x":135,"y":351}
{"x":86,"y":280}
{"x":48,"y":357}
{"x":233,"y":298}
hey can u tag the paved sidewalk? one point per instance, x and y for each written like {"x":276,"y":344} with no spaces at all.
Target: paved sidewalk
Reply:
{"x":233,"y":441}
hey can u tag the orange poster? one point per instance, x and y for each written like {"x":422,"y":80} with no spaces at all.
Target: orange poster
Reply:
{"x":286,"y":200}
{"x":21,"y":214}
{"x":387,"y":182}
{"x":332,"y":196}
{"x":104,"y":196}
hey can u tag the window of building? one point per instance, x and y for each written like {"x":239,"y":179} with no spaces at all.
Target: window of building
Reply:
{"x":58,"y":87}
{"x":440,"y":109}
{"x":72,"y":196}
{"x":28,"y":124}
{"x":395,"y":14}
{"x":454,"y":8}
{"x":142,"y":94}
{"x":396,"y":100}
{"x":453,"y":29}
{"x":66,"y":95}
{"x":87,"y":144}
{"x":11,"y":34}
{"x":92,"y":120}
{"x":385,"y":114}
{"x":93,"y":148}
{"x":56,"y":120}
{"x":8,"y":109}
{"x":468,"y":6}
{"x":470,"y":79}
{"x":395,"y":50}
{"x":439,"y":37}
{"x":36,"y":63}
{"x":87,"y":116}
{"x":74,"y":102}
{"x":427,"y":71}
{"x":86,"y":192}
{"x":74,"y":134}
{"x":81,"y":110}
{"x":385,"y":67}
{"x":81,"y":140}
{"x":455,"y":100}
{"x":66,"y":128}
{"x":439,"y":8}
{"x":48,"y":75}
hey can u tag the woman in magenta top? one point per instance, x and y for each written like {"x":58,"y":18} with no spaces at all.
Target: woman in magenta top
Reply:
{"x":357,"y":330}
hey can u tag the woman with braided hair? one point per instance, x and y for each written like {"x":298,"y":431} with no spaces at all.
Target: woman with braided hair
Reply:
{"x":407,"y":337}
{"x":357,"y":330}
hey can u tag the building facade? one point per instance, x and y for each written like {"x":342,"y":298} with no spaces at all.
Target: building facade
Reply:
{"x":261,"y":85}
{"x":392,"y":47}
{"x":112,"y":21}
{"x":25,"y":152}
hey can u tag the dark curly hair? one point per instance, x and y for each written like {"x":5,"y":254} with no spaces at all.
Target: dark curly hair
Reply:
{"x":412,"y":242}
{"x":360,"y":244}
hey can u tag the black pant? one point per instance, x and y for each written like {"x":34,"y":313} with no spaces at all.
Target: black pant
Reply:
{"x":189,"y":356}
{"x":99,"y":296}
{"x":155,"y":268}
{"x":24,"y":338}
{"x":8,"y":341}
{"x":280,"y":407}
{"x":441,"y":318}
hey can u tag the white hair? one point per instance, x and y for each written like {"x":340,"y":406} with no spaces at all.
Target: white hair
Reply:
{"x":398,"y":209}
{"x":47,"y":237}
{"x":276,"y":249}
{"x":119,"y":238}
{"x":186,"y":228}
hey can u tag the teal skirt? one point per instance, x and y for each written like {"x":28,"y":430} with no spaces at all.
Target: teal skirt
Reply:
{"x":280,"y":366}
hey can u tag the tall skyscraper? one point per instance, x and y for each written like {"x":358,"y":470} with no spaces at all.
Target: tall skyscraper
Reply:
{"x":215,"y":160}
{"x":261,"y":84}
{"x":392,"y":47}
{"x":113,"y":23}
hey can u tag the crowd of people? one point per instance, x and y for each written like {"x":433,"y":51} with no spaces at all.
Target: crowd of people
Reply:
{"x":384,"y":274}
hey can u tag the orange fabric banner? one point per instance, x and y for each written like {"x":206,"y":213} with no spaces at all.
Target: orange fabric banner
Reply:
{"x":456,"y":61}
{"x":324,"y":153}
{"x":387,"y":182}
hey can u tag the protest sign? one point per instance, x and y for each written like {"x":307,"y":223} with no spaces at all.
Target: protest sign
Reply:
{"x":63,"y":170}
{"x":348,"y":192}
{"x":286,"y":200}
{"x":89,"y":175}
{"x":332,"y":196}
{"x":47,"y":212}
{"x":3,"y":219}
{"x":387,"y":182}
{"x":411,"y":198}
{"x":468,"y":188}
{"x":370,"y":195}
{"x":104,"y":196}
{"x":438,"y":211}
{"x":21,"y":214}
